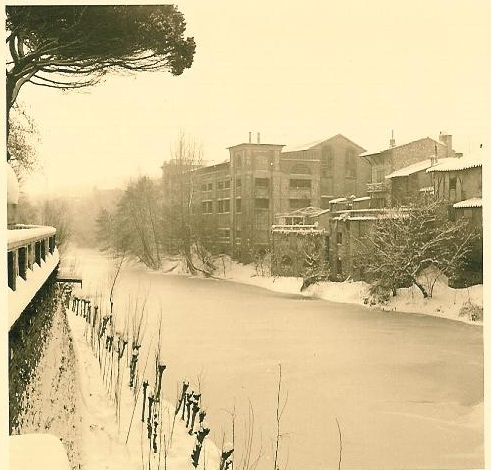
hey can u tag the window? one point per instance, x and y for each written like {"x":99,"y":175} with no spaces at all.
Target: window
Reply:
{"x":379,"y":174}
{"x":203,"y":187}
{"x":299,"y":203}
{"x":207,"y":207}
{"x":261,"y":203}
{"x":210,"y":186}
{"x":452,"y":183}
{"x":227,"y":184}
{"x":327,"y":161}
{"x":238,"y":205}
{"x":300,"y":184}
{"x":223,"y":206}
{"x":339,"y":238}
{"x":224,"y":232}
{"x":220,"y":185}
{"x":350,"y":164}
{"x":238,"y":182}
{"x":262,"y":182}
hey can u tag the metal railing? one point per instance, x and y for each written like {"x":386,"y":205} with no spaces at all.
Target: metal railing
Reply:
{"x":377,"y":187}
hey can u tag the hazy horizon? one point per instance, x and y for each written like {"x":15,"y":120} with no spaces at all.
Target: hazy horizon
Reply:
{"x":293,"y":74}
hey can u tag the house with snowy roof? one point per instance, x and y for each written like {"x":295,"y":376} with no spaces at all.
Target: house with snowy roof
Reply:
{"x":457,"y":182}
{"x":411,"y":158}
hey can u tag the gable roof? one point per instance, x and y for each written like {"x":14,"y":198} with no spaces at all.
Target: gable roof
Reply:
{"x":411,"y":169}
{"x":456,"y":163}
{"x":316,"y":143}
{"x":366,"y":154}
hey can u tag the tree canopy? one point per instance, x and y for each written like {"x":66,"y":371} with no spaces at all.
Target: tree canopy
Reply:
{"x":75,"y":46}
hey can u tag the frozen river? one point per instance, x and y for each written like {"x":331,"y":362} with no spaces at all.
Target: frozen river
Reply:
{"x":406,"y":389}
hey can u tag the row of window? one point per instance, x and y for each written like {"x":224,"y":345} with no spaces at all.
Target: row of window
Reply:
{"x":260,"y":183}
{"x":223,"y":205}
{"x":222,"y":185}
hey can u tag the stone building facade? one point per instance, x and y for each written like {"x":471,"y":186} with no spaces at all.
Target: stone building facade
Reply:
{"x":241,"y":196}
{"x":394,"y":158}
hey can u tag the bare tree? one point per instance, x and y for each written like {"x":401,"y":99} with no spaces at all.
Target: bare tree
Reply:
{"x":185,"y":230}
{"x":405,"y":241}
{"x":133,"y":229}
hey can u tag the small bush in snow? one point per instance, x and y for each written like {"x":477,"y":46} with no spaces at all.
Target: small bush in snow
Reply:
{"x":473,"y":311}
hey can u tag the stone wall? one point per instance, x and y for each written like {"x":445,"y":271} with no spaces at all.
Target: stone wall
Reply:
{"x":42,"y":374}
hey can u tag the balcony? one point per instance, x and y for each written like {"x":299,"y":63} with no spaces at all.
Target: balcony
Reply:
{"x":297,"y":228}
{"x":378,"y":187}
{"x":31,"y":257}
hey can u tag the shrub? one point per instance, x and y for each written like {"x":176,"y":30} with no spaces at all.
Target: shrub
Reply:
{"x":473,"y":311}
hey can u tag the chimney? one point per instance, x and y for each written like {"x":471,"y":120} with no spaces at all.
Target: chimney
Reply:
{"x":447,"y":139}
{"x":392,"y":141}
{"x":258,"y":137}
{"x":250,"y":137}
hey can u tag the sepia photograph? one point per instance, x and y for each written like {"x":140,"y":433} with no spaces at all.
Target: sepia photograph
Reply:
{"x":247,"y":235}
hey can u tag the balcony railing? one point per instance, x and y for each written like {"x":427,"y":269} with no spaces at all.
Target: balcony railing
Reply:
{"x":297,"y":228}
{"x":31,"y":258}
{"x":377,"y":187}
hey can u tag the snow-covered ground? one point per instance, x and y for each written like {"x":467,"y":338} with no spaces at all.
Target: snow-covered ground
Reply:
{"x":111,"y":443}
{"x":445,"y":301}
{"x":104,"y":440}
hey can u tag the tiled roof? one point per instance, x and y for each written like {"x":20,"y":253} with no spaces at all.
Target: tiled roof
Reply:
{"x":456,"y":164}
{"x":473,"y":202}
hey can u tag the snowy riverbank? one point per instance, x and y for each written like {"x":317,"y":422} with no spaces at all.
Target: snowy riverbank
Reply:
{"x":114,"y":440}
{"x":445,"y":301}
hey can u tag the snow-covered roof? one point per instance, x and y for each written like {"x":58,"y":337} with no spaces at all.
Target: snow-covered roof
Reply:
{"x":304,"y":211}
{"x":456,"y":163}
{"x":300,"y":147}
{"x":338,"y":199}
{"x":363,"y":198}
{"x":311,"y":211}
{"x":411,"y":169}
{"x":358,"y":218}
{"x":472,"y":202}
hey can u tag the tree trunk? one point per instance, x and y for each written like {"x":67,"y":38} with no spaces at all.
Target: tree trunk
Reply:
{"x":421,"y":287}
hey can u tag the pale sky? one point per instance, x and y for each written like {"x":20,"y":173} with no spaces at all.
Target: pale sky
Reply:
{"x":293,"y":71}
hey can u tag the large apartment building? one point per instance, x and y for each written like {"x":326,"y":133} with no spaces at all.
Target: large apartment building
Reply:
{"x":241,"y":196}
